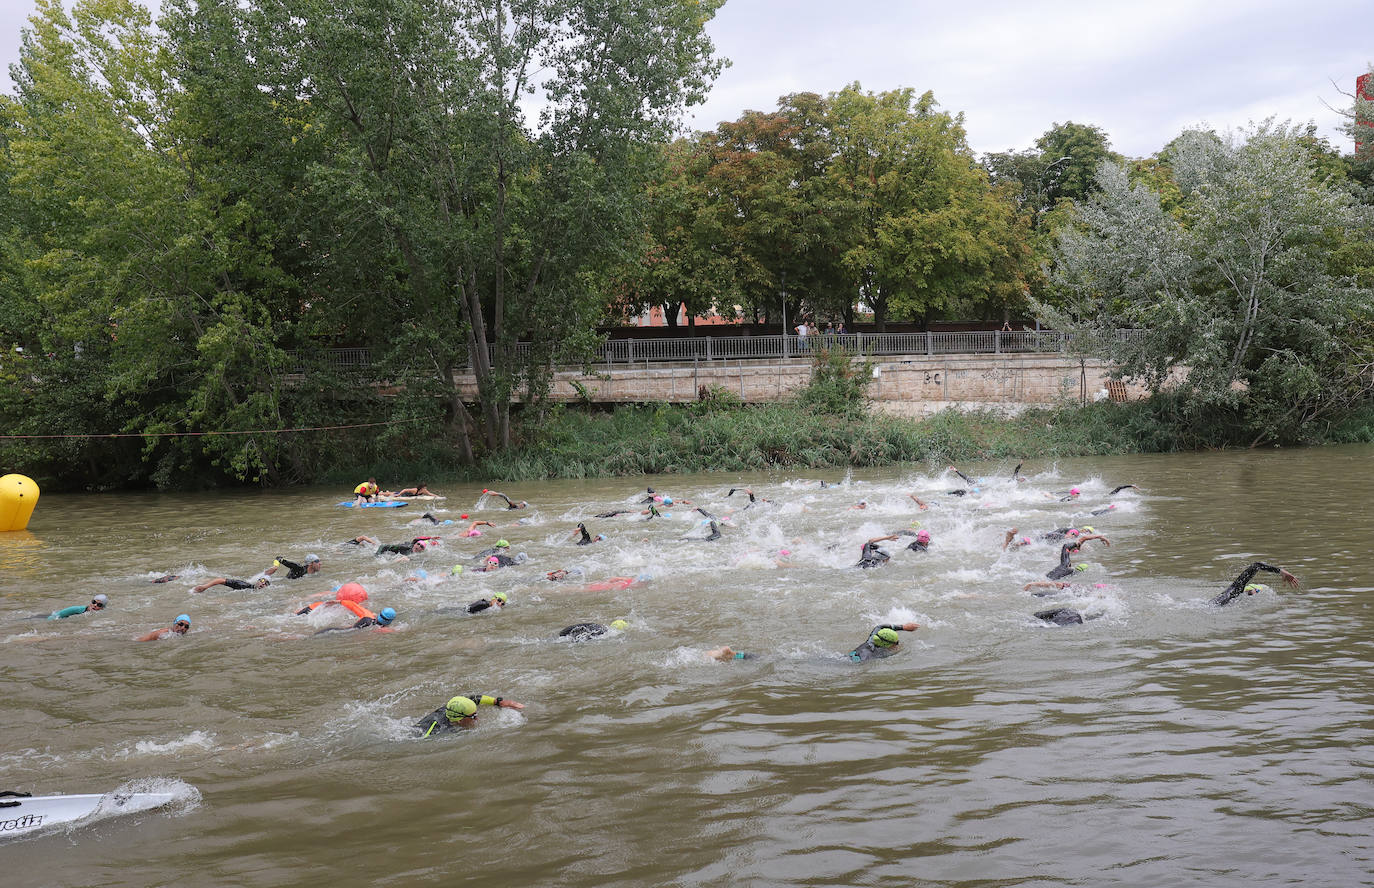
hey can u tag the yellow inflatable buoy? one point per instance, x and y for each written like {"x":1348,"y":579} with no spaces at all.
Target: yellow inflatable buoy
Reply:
{"x":18,"y":496}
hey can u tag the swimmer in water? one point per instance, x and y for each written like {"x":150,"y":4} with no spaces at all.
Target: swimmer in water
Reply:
{"x":419,"y":544}
{"x":460,"y":713}
{"x":1061,"y":616}
{"x":1071,"y":548}
{"x":752,"y":499}
{"x":472,"y":530}
{"x":587,"y":539}
{"x":727,"y":654}
{"x":167,"y":578}
{"x":255,"y":583}
{"x":180,"y":626}
{"x":1051,"y":585}
{"x":1016,"y":474}
{"x":427,"y":518}
{"x":714,"y":535}
{"x":1068,"y":497}
{"x":295,"y":571}
{"x":967,"y":480}
{"x":564,"y":573}
{"x":1241,"y":585}
{"x":497,"y":600}
{"x":1116,"y":490}
{"x":418,"y":490}
{"x":588,"y":631}
{"x":871,"y":555}
{"x":919,"y":502}
{"x":509,"y":505}
{"x":366,"y":619}
{"x":98,"y":603}
{"x":499,"y":560}
{"x":1013,"y":540}
{"x":921,"y":543}
{"x":882,"y":642}
{"x":614,"y":512}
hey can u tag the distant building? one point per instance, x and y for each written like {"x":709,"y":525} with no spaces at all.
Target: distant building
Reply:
{"x":654,"y":318}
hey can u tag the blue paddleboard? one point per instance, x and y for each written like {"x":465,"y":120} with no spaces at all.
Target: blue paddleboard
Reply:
{"x":350,"y":504}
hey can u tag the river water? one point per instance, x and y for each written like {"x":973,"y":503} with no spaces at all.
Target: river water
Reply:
{"x":1164,"y":742}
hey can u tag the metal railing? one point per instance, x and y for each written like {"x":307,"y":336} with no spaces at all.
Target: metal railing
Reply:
{"x":734,"y":348}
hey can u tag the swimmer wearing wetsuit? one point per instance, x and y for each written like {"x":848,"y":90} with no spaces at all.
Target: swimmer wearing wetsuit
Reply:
{"x":1241,"y":585}
{"x":613,"y":512}
{"x":419,"y":544}
{"x":295,"y":571}
{"x":587,"y":539}
{"x":727,"y":653}
{"x":368,"y":620}
{"x":497,"y":600}
{"x":921,"y":543}
{"x":871,"y":555}
{"x":98,"y":603}
{"x":232,"y":583}
{"x":588,"y":631}
{"x":509,"y":505}
{"x":1117,"y":490}
{"x":460,"y":712}
{"x":1061,"y":616}
{"x":882,"y":642}
{"x":1071,"y":548}
{"x":180,"y":626}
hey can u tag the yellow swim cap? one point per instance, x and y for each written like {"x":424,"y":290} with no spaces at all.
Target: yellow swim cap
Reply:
{"x":884,"y":638}
{"x":619,"y":625}
{"x":460,"y":707}
{"x":499,"y":596}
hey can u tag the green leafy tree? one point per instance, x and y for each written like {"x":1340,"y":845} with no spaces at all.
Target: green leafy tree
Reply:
{"x":1241,"y":312}
{"x":1071,"y":154}
{"x":434,"y":183}
{"x":924,"y":232}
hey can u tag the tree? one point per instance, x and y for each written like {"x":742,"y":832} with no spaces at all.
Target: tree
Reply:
{"x":478,"y":226}
{"x":1071,"y":153}
{"x":923,"y":231}
{"x":1240,"y":297}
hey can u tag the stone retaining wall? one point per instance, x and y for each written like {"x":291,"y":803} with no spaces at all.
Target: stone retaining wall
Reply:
{"x":912,"y":386}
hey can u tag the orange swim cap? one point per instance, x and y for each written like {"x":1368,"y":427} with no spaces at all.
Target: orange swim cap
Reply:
{"x":351,"y":592}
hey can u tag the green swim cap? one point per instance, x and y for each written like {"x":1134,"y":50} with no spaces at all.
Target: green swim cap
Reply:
{"x":1252,"y":588}
{"x":884,"y":638}
{"x":457,"y":569}
{"x":1088,"y":529}
{"x":619,"y":625}
{"x":499,"y":596}
{"x":502,"y":544}
{"x":1080,"y":567}
{"x":459,"y":707}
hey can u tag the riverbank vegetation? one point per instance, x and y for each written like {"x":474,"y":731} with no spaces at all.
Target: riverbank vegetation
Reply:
{"x":195,"y":210}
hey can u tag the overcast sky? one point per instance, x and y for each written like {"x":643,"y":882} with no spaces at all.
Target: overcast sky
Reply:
{"x":1141,"y":71}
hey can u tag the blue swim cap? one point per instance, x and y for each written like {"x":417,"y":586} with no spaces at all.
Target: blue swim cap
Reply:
{"x":386,"y":616}
{"x":667,"y":500}
{"x":183,"y":618}
{"x":420,"y":572}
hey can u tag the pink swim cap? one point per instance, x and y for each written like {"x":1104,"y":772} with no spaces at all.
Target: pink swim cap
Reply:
{"x":473,"y":533}
{"x":1073,"y":491}
{"x":492,"y":559}
{"x":922,"y":536}
{"x":351,"y":592}
{"x":784,"y":551}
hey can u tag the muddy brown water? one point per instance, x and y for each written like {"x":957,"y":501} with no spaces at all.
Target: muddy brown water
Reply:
{"x":1164,"y":742}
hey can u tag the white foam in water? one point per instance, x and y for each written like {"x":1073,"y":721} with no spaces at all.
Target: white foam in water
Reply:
{"x":194,"y":740}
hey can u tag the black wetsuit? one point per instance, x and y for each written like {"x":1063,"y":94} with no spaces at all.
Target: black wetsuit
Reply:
{"x":437,"y":721}
{"x":967,"y":480}
{"x":1065,"y":568}
{"x":398,"y":548}
{"x":715,"y":532}
{"x":918,"y":546}
{"x":1237,"y":587}
{"x":586,"y":537}
{"x":1055,"y":536}
{"x":872,"y":556}
{"x":363,"y":623}
{"x":1060,"y":616}
{"x":1117,"y":490}
{"x":1103,"y":511}
{"x":706,"y":514}
{"x":430,"y":518}
{"x":494,"y":550}
{"x":583,"y":631}
{"x":613,"y":513}
{"x":478,"y":606}
{"x":294,"y":571}
{"x":869,"y":651}
{"x":648,"y":499}
{"x":957,"y":492}
{"x":244,"y":584}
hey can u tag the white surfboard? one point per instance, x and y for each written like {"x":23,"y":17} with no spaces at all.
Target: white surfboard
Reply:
{"x":22,"y":815}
